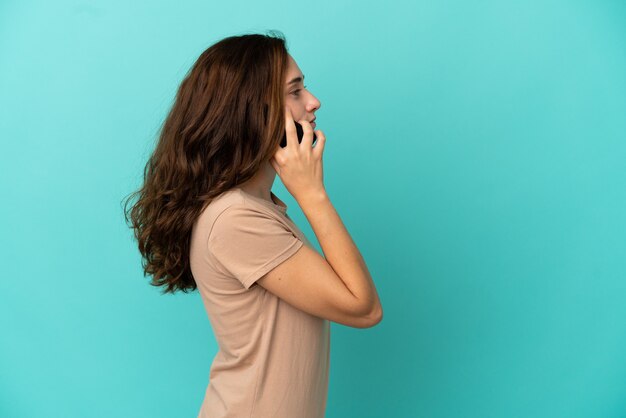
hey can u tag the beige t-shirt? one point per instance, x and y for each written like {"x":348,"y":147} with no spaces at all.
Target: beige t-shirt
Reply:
{"x":273,"y":359}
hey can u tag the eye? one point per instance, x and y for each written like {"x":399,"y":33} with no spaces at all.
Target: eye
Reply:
{"x":295,"y":92}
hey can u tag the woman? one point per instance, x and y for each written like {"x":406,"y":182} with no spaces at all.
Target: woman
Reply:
{"x":207,"y":219}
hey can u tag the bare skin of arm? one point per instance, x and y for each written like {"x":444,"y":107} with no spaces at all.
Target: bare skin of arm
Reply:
{"x":338,"y":287}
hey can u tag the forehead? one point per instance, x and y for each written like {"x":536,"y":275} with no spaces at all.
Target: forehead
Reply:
{"x":292,"y":68}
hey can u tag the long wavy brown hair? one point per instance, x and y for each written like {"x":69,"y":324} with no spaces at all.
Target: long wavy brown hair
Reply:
{"x":226,"y":121}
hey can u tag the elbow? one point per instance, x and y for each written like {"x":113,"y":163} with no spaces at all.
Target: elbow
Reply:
{"x":374,"y":316}
{"x":366,"y":315}
{"x":377,"y":316}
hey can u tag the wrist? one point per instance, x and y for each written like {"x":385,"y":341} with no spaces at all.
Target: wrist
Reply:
{"x":313,"y":197}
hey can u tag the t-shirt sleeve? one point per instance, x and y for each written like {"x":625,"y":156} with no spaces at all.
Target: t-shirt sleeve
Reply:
{"x":247,"y":243}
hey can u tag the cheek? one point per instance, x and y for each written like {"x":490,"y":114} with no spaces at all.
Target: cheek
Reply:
{"x":296,"y":108}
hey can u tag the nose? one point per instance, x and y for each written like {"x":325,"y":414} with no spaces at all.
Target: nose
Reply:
{"x":313,"y":104}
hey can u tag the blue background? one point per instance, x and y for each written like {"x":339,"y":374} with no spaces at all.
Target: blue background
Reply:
{"x":476,"y":151}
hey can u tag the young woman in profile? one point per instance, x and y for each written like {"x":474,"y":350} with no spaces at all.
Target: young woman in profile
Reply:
{"x":206,"y":218}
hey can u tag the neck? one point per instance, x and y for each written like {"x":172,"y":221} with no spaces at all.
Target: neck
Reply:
{"x":261,"y":184}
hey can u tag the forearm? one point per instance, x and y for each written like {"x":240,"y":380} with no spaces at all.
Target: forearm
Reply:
{"x":339,"y":249}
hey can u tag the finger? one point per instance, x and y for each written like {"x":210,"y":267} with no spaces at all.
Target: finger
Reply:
{"x":307,"y":133}
{"x":318,"y":149}
{"x":290,"y":129}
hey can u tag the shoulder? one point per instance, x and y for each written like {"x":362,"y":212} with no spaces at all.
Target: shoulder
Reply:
{"x":229,"y":203}
{"x":244,"y":217}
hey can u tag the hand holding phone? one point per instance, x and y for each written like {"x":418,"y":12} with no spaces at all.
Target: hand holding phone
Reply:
{"x":300,"y":133}
{"x":300,"y":167}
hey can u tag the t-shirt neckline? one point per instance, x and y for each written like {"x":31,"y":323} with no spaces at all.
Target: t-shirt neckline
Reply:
{"x":276,"y":202}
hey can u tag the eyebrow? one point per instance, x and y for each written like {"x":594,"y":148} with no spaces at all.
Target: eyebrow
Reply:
{"x":296,"y":80}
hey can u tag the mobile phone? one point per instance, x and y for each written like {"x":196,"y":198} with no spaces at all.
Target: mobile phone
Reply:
{"x":300,"y":132}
